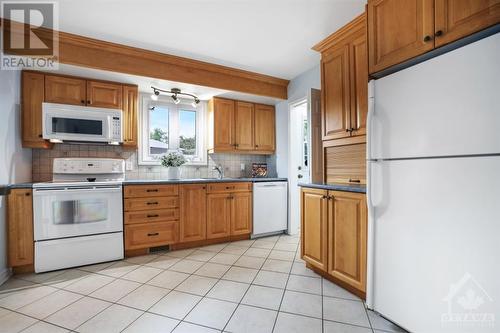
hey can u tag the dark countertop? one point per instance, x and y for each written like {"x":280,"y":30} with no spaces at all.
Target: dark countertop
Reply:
{"x":4,"y":189}
{"x":358,"y":188}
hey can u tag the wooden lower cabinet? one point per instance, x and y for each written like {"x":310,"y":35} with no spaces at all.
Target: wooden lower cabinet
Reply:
{"x":241,"y":213}
{"x":20,"y":227}
{"x":193,"y":221}
{"x":314,"y":218}
{"x":334,"y":235}
{"x":218,"y":215}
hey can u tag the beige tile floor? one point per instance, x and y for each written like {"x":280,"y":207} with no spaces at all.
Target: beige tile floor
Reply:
{"x":246,"y":286}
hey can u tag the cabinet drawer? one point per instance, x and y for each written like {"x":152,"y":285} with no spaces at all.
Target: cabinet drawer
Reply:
{"x":138,"y":236}
{"x":134,"y":191}
{"x":229,"y":187}
{"x":133,"y":204}
{"x":156,"y":215}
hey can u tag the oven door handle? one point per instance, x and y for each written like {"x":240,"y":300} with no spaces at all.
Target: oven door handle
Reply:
{"x":51,"y":190}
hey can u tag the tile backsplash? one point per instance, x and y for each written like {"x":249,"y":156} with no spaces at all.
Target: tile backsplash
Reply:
{"x":42,"y":162}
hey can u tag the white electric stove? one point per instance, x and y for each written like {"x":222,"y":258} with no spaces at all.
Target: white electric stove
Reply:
{"x":78,"y":217}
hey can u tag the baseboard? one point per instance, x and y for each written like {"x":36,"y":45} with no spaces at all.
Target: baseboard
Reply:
{"x":5,"y":275}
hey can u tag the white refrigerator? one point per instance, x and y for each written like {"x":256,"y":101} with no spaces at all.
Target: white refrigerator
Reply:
{"x":433,"y":159}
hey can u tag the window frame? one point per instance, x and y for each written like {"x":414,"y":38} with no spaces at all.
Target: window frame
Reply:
{"x":143,"y":156}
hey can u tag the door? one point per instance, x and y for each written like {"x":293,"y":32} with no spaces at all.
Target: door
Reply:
{"x":455,"y":113}
{"x":347,"y":235}
{"x":314,"y":218}
{"x":218,"y":215}
{"x":20,"y":227}
{"x":224,"y":138}
{"x":336,"y":93}
{"x":459,"y":18}
{"x":244,"y":126}
{"x":399,"y":30}
{"x":241,"y":213}
{"x":104,"y":94}
{"x":129,"y":122}
{"x":32,"y":99}
{"x":265,"y":128}
{"x":69,"y":212}
{"x":193,"y":215}
{"x":358,"y":67}
{"x":65,"y":90}
{"x":436,"y":231}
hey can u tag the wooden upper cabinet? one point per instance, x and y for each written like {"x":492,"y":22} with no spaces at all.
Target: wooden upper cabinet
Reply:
{"x":458,"y":18}
{"x":218,"y":215}
{"x":399,"y":30}
{"x":241,"y":211}
{"x":265,"y":128}
{"x":358,"y":68}
{"x":193,"y":219}
{"x":65,"y":90}
{"x":314,"y":218}
{"x":20,"y":227}
{"x":336,"y":93}
{"x":130,"y":116}
{"x":32,"y":96}
{"x":244,"y":126}
{"x":347,"y":237}
{"x":104,"y":94}
{"x":223,"y":124}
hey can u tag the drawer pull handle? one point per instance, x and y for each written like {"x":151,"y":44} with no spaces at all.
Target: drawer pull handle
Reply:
{"x":153,"y":215}
{"x":153,"y":234}
{"x":354,"y":180}
{"x":152,"y":190}
{"x":152,"y":203}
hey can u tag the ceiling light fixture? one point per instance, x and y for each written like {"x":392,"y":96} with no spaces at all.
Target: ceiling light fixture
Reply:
{"x":174,"y":93}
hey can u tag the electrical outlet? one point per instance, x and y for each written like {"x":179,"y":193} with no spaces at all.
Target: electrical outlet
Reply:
{"x":242,"y":166}
{"x":129,"y":166}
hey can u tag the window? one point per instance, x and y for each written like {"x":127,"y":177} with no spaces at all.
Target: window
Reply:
{"x":167,"y":127}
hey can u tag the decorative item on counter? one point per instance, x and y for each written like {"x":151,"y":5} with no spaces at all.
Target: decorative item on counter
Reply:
{"x":173,"y":161}
{"x":259,"y":170}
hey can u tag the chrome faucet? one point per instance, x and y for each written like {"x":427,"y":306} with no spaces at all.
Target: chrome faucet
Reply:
{"x":220,"y":170}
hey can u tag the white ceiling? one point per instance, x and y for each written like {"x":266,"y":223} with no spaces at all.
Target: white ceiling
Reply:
{"x":272,"y":37}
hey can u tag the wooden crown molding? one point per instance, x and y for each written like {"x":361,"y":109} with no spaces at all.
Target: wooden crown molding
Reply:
{"x":340,"y":34}
{"x":94,"y":53}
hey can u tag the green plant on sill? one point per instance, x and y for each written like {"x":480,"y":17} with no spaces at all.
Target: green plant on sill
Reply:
{"x":173,"y":160}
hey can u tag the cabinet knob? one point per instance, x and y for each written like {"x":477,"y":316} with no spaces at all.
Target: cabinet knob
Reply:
{"x":256,"y":146}
{"x":40,"y":136}
{"x":27,"y":194}
{"x":438,"y":33}
{"x":427,"y":38}
{"x":83,"y":101}
{"x":88,"y":102}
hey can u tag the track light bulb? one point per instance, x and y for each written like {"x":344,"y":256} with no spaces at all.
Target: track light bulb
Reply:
{"x":155,"y":95}
{"x":176,"y":99}
{"x":195,"y":102}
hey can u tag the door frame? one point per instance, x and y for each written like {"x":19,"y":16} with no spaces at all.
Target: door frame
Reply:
{"x":294,"y":229}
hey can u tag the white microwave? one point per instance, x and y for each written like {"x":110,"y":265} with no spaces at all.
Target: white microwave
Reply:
{"x":62,"y":122}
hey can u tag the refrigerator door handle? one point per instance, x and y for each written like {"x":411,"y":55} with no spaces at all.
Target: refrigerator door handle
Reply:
{"x":369,"y":120}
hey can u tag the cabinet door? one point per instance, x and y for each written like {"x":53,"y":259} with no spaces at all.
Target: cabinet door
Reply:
{"x":218,"y":215}
{"x":64,"y":90}
{"x":104,"y":95}
{"x":336,"y":93}
{"x":193,"y":220}
{"x":129,"y":116}
{"x":31,"y":105}
{"x":265,"y":128}
{"x":398,"y":30}
{"x":314,"y":217}
{"x":359,"y":82}
{"x":347,"y":233}
{"x":244,"y":126}
{"x":223,"y":124}
{"x":458,"y":18}
{"x":20,"y":227}
{"x":241,"y":213}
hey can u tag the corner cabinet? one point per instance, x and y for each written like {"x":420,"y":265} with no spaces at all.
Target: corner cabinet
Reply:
{"x":20,"y":228}
{"x":344,"y":81}
{"x":38,"y":87}
{"x":334,"y":236}
{"x":400,"y":30}
{"x":241,"y":127}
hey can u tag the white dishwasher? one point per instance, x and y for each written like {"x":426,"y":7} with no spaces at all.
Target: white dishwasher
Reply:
{"x":270,"y":208}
